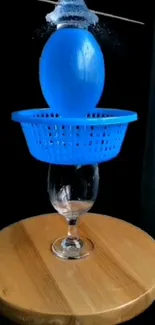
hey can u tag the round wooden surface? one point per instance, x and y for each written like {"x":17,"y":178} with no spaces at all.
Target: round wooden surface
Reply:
{"x":116,"y":283}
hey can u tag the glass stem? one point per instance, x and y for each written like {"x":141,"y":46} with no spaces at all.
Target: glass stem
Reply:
{"x":72,"y":229}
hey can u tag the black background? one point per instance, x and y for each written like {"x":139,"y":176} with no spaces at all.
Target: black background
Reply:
{"x":128,"y":53}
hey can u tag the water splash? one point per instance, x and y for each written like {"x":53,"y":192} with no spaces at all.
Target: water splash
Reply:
{"x":72,"y":13}
{"x":43,"y":32}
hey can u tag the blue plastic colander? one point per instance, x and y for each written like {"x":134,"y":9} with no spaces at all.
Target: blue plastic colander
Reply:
{"x":93,"y":139}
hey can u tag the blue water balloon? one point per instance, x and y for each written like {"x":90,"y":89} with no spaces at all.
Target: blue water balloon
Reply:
{"x":72,"y":72}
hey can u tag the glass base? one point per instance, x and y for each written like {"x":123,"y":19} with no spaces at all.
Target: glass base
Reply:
{"x":72,"y":249}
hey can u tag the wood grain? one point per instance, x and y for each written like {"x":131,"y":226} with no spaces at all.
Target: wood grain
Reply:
{"x":116,"y":283}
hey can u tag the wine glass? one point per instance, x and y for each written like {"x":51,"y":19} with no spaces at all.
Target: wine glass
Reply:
{"x":72,"y":192}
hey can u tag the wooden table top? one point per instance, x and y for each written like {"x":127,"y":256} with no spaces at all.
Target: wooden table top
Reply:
{"x":114,"y":284}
